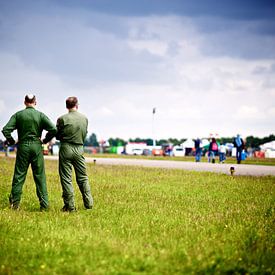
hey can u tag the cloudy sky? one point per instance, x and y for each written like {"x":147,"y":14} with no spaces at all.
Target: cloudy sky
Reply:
{"x":207,"y":66}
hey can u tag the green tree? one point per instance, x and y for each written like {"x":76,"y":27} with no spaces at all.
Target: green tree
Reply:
{"x":116,"y":142}
{"x":91,"y":141}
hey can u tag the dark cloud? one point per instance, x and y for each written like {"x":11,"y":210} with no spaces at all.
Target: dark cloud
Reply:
{"x":237,"y":9}
{"x":238,"y":39}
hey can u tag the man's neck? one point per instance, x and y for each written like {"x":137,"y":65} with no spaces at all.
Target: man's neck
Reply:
{"x":30,"y":105}
{"x":73,"y":109}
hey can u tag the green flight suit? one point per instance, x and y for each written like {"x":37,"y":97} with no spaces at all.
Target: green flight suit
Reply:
{"x":29,"y":124}
{"x":71,"y":131}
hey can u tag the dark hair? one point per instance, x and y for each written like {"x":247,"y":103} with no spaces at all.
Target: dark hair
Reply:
{"x":71,"y":102}
{"x":30,"y":98}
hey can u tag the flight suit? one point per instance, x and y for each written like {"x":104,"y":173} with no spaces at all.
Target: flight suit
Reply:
{"x":71,"y":131}
{"x":29,"y":124}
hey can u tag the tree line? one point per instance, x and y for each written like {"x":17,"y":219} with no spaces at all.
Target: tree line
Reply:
{"x":250,"y":141}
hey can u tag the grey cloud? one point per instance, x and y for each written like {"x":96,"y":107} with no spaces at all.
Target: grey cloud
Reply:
{"x":261,"y":70}
{"x":237,"y":39}
{"x":76,"y":49}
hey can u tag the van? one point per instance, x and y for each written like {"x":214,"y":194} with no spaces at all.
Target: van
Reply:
{"x":178,"y":151}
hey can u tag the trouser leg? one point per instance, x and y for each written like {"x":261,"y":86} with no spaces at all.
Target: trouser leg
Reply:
{"x":19,"y":176}
{"x":38,"y":170}
{"x":239,"y":156}
{"x":211,"y":156}
{"x":199,"y":155}
{"x":65,"y":172}
{"x":83,"y":181}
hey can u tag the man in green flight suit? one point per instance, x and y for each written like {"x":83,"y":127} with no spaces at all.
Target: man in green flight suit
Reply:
{"x":71,"y":131}
{"x":29,"y":124}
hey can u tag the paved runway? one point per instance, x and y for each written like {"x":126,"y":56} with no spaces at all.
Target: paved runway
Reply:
{"x":240,"y":169}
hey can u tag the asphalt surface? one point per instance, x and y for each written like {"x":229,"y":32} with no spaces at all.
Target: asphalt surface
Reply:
{"x":240,"y":169}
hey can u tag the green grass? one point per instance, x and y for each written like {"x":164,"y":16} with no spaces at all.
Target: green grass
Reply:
{"x":145,"y":220}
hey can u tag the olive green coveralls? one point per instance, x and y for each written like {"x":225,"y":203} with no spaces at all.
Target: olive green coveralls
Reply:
{"x":29,"y":124}
{"x":71,"y":131}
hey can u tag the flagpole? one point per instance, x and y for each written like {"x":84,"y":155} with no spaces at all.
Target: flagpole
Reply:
{"x":153,"y":128}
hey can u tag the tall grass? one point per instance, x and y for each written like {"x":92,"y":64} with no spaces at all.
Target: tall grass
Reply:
{"x":145,"y":220}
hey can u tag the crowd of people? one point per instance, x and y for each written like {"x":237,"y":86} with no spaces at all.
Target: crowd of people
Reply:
{"x":219,"y":150}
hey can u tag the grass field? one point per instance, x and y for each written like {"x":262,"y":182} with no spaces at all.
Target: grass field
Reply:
{"x":145,"y":220}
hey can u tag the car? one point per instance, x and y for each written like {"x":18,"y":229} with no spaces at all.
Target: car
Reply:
{"x":178,"y":151}
{"x":137,"y":151}
{"x":147,"y":152}
{"x":157,"y":152}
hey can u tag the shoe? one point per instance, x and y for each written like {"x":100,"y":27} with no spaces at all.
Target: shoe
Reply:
{"x":13,"y":205}
{"x":66,"y":209}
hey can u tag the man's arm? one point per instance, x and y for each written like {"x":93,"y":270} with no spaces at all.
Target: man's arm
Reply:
{"x":50,"y":127}
{"x":9,"y":128}
{"x":59,"y":126}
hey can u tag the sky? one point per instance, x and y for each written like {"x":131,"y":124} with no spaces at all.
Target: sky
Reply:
{"x":206,"y":66}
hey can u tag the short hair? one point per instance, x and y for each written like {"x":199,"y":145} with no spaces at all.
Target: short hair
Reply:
{"x":30,"y":98}
{"x":71,"y":102}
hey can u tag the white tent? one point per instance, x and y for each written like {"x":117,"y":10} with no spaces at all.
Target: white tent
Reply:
{"x":205,"y":142}
{"x":269,"y":149}
{"x":269,"y":145}
{"x":189,"y":143}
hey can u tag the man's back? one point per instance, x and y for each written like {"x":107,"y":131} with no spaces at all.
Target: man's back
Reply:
{"x":72,"y":128}
{"x":71,"y":131}
{"x":29,"y":124}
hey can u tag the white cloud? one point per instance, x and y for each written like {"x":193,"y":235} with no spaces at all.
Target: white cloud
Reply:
{"x":2,"y":106}
{"x":248,"y":112}
{"x":103,"y":112}
{"x":271,"y":112}
{"x":152,"y":46}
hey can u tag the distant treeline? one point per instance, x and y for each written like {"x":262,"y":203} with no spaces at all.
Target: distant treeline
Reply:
{"x":250,"y":141}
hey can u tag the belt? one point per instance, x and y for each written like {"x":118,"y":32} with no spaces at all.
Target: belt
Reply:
{"x":71,"y":143}
{"x":30,"y":141}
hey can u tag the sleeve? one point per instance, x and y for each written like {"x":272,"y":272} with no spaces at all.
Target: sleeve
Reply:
{"x":9,"y":128}
{"x":86,"y":130}
{"x":59,"y":126}
{"x":50,"y":127}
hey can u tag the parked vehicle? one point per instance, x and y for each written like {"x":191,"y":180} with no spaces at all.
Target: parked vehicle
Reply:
{"x":135,"y":148}
{"x":147,"y":152}
{"x":157,"y":152}
{"x":137,"y":151}
{"x":178,"y":151}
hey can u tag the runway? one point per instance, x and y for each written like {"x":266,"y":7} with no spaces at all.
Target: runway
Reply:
{"x":240,"y":169}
